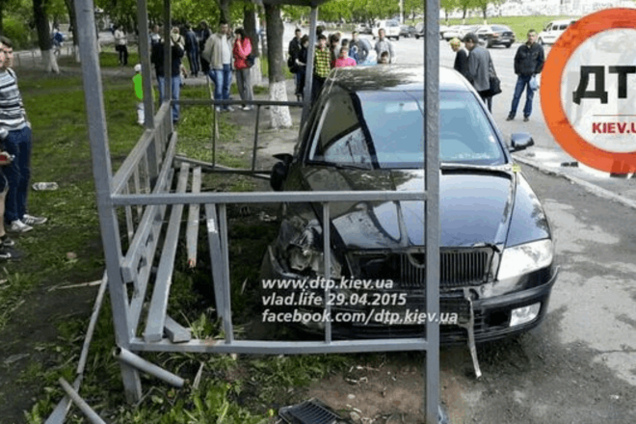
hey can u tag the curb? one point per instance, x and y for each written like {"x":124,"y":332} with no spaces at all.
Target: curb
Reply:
{"x":591,"y":188}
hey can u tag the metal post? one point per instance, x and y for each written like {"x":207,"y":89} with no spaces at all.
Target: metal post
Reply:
{"x":102,"y":172}
{"x":144,"y":57}
{"x":258,"y":117}
{"x":309,"y":73}
{"x":81,"y":404}
{"x":432,"y":223}
{"x":167,"y":52}
{"x":123,"y":355}
{"x":326,"y":248}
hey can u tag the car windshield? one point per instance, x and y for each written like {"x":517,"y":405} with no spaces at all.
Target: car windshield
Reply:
{"x":385,"y":130}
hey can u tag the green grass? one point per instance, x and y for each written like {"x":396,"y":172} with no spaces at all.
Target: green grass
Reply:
{"x":68,"y":250}
{"x":519,"y":24}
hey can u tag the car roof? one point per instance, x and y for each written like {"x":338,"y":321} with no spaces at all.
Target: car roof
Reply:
{"x":564,"y":21}
{"x":393,"y":78}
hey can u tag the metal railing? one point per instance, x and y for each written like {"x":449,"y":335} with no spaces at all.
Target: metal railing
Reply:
{"x":141,"y":192}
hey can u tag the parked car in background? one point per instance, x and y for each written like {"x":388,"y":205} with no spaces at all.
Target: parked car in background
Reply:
{"x":363,"y":29}
{"x":553,"y":31}
{"x":407,"y":31}
{"x":459,"y":31}
{"x":364,"y":132}
{"x":420,"y":29}
{"x":496,"y":35}
{"x":442,"y":30}
{"x":391,"y":28}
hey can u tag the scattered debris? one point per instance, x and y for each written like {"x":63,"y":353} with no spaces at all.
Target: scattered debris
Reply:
{"x":197,"y":378}
{"x":75,"y":286}
{"x":15,"y":358}
{"x":574,"y":164}
{"x":265,"y":217}
{"x":45,"y":186}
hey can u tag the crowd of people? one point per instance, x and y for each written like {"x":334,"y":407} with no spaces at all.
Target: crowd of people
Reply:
{"x":216,"y":55}
{"x":15,"y":157}
{"x":475,"y":64}
{"x":333,"y":52}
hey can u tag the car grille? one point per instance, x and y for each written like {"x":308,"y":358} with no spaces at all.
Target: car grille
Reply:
{"x":458,"y":267}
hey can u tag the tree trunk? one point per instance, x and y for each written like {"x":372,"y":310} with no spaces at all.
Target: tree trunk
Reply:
{"x":280,"y":116}
{"x":2,"y":16}
{"x":249,"y":20}
{"x":224,"y":8}
{"x":44,"y":36}
{"x":70,"y":6}
{"x":484,"y":12}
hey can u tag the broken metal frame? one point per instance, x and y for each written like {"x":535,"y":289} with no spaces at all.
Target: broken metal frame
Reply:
{"x":143,"y":185}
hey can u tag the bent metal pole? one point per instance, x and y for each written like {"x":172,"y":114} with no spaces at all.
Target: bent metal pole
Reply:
{"x":141,"y":364}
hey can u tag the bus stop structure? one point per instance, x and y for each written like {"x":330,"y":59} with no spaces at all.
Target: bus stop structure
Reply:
{"x":138,"y":208}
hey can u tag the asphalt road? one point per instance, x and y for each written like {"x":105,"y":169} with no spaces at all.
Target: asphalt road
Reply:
{"x":579,"y":366}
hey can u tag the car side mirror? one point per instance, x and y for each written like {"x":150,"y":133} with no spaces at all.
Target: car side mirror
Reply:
{"x":520,"y":141}
{"x":279,"y":171}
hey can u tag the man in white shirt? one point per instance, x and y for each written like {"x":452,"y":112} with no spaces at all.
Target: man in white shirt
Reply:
{"x":218,"y":51}
{"x":384,"y":45}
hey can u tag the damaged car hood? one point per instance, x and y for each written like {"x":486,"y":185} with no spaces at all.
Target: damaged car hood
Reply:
{"x":475,"y":207}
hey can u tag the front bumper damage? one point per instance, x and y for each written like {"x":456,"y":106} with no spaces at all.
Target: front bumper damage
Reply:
{"x":483,"y":313}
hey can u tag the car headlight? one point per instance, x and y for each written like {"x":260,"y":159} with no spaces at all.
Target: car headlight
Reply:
{"x":525,"y":258}
{"x":304,"y":254}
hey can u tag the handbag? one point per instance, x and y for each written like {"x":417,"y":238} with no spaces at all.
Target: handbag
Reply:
{"x":495,"y":86}
{"x":249,"y":60}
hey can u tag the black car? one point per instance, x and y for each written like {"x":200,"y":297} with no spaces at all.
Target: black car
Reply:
{"x":496,"y":35}
{"x":365,"y":133}
{"x":407,"y":31}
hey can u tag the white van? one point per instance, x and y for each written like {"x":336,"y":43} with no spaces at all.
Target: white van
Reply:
{"x":553,"y":31}
{"x":391,"y":28}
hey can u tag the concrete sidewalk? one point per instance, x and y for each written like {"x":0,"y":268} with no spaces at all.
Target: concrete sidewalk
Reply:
{"x":559,"y":163}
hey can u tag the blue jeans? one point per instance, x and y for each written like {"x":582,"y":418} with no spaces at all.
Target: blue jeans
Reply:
{"x":193,"y":58}
{"x":18,"y":173}
{"x":222,"y":79}
{"x":176,"y":90}
{"x":522,"y":82}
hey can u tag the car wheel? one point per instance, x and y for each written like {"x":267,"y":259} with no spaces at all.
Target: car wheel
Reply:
{"x":508,"y":45}
{"x":488,"y":44}
{"x":397,"y":38}
{"x":541,"y":41}
{"x":417,"y":36}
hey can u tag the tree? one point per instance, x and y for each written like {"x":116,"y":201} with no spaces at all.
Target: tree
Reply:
{"x":464,"y":5}
{"x":448,"y":6}
{"x":249,"y":25}
{"x":70,"y":6}
{"x":280,"y":116}
{"x":44,"y":36}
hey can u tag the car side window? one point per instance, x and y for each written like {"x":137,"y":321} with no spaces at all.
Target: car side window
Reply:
{"x":563,"y":27}
{"x":339,"y":137}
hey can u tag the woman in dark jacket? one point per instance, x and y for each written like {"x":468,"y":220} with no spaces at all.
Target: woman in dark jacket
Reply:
{"x":301,"y":62}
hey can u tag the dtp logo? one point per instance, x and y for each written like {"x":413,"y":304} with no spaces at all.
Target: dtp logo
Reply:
{"x":588,"y":90}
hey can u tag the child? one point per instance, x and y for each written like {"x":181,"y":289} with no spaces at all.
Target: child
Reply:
{"x":344,"y":59}
{"x":384,"y":58}
{"x":139,"y":92}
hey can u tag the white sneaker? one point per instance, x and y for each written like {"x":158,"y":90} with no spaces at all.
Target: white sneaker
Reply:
{"x":33,"y":220}
{"x":18,"y":226}
{"x":230,"y":109}
{"x":247,"y":107}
